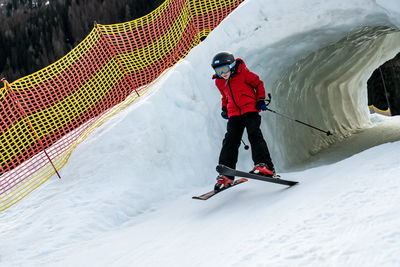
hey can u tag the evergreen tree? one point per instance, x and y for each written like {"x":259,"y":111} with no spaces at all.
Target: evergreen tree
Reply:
{"x":34,"y":34}
{"x":391,"y":79}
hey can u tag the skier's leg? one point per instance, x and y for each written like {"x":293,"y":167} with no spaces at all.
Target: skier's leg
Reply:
{"x":231,"y":142}
{"x":259,"y":148}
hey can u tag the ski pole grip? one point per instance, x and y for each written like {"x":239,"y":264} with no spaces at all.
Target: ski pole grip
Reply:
{"x":268,"y":99}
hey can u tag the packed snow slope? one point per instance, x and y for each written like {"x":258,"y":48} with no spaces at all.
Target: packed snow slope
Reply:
{"x":125,"y":195}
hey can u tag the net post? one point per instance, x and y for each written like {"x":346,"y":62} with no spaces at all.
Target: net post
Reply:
{"x":24,"y":115}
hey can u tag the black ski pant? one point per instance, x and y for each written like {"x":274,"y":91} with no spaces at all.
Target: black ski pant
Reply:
{"x":230,"y":146}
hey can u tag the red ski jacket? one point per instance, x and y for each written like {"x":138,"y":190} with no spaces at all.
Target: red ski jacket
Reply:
{"x":241,"y":91}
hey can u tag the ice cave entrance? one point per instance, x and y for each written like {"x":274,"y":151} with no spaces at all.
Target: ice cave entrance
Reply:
{"x":328,"y":88}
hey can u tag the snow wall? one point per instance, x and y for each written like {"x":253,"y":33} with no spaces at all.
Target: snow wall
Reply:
{"x":315,"y":60}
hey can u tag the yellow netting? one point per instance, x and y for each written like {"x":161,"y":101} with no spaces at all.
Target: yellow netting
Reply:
{"x":373,"y":109}
{"x":45,"y":115}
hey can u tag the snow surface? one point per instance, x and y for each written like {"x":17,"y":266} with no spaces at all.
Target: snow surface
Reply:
{"x":125,"y":195}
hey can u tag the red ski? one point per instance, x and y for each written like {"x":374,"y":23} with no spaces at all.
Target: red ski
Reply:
{"x":214,"y":192}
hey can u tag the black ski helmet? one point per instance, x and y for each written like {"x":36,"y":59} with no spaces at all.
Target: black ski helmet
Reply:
{"x":222,"y":58}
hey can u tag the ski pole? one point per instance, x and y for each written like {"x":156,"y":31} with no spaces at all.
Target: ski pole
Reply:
{"x":328,"y":133}
{"x":246,"y":147}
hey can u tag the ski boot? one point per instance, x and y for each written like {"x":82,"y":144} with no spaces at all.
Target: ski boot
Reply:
{"x":263,"y":169}
{"x":222,"y":182}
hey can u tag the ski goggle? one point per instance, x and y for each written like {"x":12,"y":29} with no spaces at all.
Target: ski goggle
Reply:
{"x":224,"y":69}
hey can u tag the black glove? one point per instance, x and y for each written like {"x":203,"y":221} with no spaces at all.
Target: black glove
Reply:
{"x":261,"y":105}
{"x":224,"y":113}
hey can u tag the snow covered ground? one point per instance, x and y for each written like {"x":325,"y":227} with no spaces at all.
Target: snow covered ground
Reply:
{"x":125,"y":195}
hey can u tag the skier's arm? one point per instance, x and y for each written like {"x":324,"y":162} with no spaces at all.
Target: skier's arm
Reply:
{"x":256,"y":83}
{"x":224,"y":99}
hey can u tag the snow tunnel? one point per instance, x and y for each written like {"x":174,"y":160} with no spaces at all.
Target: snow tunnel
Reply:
{"x":327,"y":88}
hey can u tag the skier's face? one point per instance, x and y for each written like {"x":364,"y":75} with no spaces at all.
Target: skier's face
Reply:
{"x":226,"y":75}
{"x":223,"y":71}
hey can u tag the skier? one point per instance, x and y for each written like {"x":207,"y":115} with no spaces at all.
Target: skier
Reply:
{"x":243,"y":97}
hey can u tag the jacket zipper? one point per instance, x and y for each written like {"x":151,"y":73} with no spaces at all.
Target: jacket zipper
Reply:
{"x":240,"y":110}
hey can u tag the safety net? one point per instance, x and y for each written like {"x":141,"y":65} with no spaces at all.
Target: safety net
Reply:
{"x":373,"y":109}
{"x":45,"y":115}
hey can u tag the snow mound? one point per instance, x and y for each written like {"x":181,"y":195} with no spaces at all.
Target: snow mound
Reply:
{"x":124,"y":199}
